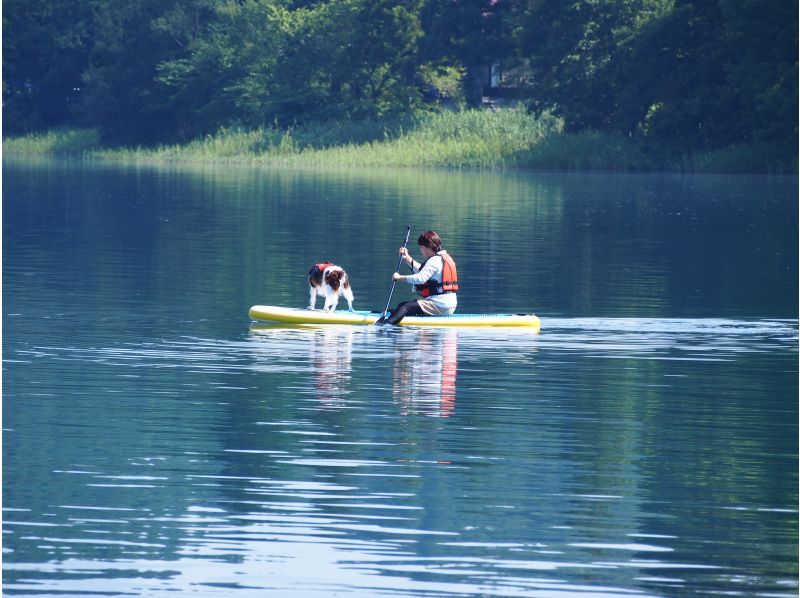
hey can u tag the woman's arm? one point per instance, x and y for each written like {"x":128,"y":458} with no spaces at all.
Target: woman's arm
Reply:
{"x":414,"y":265}
{"x":432,"y":266}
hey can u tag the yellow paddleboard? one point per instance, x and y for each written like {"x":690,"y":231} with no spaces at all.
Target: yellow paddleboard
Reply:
{"x":291,"y":315}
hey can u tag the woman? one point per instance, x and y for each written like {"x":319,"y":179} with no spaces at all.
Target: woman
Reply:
{"x":435,"y":279}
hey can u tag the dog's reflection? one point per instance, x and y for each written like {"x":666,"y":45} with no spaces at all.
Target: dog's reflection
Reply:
{"x":320,"y":357}
{"x":424,"y":379}
{"x":331,"y":351}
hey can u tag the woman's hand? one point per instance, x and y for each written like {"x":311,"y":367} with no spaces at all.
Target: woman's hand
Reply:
{"x":397,"y":276}
{"x":407,"y":257}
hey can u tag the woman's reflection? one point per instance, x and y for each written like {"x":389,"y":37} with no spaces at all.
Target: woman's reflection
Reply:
{"x":424,"y":380}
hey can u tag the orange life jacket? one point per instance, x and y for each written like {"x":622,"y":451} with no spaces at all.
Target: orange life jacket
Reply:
{"x":449,"y":282}
{"x":321,"y":267}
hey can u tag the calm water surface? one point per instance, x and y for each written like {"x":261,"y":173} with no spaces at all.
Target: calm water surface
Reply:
{"x":157,"y":443}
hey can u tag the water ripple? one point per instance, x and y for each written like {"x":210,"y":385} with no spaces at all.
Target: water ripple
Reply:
{"x":406,"y":462}
{"x":330,"y":350}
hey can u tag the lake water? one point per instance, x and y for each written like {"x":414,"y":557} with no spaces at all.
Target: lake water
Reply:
{"x":157,"y":443}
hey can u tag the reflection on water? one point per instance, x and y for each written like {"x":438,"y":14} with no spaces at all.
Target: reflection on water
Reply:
{"x":425,"y":374}
{"x":424,"y":361}
{"x":155,"y":445}
{"x":407,"y":462}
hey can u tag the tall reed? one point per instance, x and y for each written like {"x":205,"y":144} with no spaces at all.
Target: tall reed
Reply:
{"x":508,"y":137}
{"x":55,"y":142}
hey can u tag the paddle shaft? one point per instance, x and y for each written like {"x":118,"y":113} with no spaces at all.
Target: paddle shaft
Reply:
{"x":397,"y":269}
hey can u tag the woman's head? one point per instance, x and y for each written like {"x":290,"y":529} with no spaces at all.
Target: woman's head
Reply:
{"x":430,"y":240}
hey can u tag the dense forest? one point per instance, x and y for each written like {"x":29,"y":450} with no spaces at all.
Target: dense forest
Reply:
{"x":683,"y":74}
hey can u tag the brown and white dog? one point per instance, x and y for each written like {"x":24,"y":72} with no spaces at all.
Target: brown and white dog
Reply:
{"x":330,"y":281}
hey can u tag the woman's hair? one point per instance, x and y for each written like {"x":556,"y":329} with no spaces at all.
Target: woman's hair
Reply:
{"x":430,"y":240}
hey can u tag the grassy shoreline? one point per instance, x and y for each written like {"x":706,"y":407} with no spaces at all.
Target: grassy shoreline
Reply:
{"x":508,"y":138}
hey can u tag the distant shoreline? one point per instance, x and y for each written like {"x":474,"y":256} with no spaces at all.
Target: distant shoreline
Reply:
{"x":472,"y":139}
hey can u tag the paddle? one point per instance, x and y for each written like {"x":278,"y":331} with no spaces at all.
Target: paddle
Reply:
{"x":397,"y":269}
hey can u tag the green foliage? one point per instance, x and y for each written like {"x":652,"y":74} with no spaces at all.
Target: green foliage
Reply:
{"x":579,"y":52}
{"x":445,"y":80}
{"x":471,"y":138}
{"x":687,"y":100}
{"x":260,"y":62}
{"x":229,"y":74}
{"x":684,"y":74}
{"x":589,"y":150}
{"x":470,"y":35}
{"x":119,"y":94}
{"x":46,"y":46}
{"x":762,"y":69}
{"x":658,"y":78}
{"x":55,"y":142}
{"x":464,"y":139}
{"x":755,"y":158}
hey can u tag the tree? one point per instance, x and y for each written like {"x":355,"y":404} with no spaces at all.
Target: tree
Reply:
{"x":374,"y":50}
{"x":259,"y":62}
{"x":576,"y":51}
{"x":678,"y":95}
{"x":121,"y":96}
{"x":46,"y":45}
{"x":230,"y":73}
{"x":714,"y":73}
{"x":762,"y":66}
{"x":468,"y":34}
{"x":680,"y":74}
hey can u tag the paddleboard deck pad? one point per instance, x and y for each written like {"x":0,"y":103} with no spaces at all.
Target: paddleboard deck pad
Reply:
{"x":291,"y":315}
